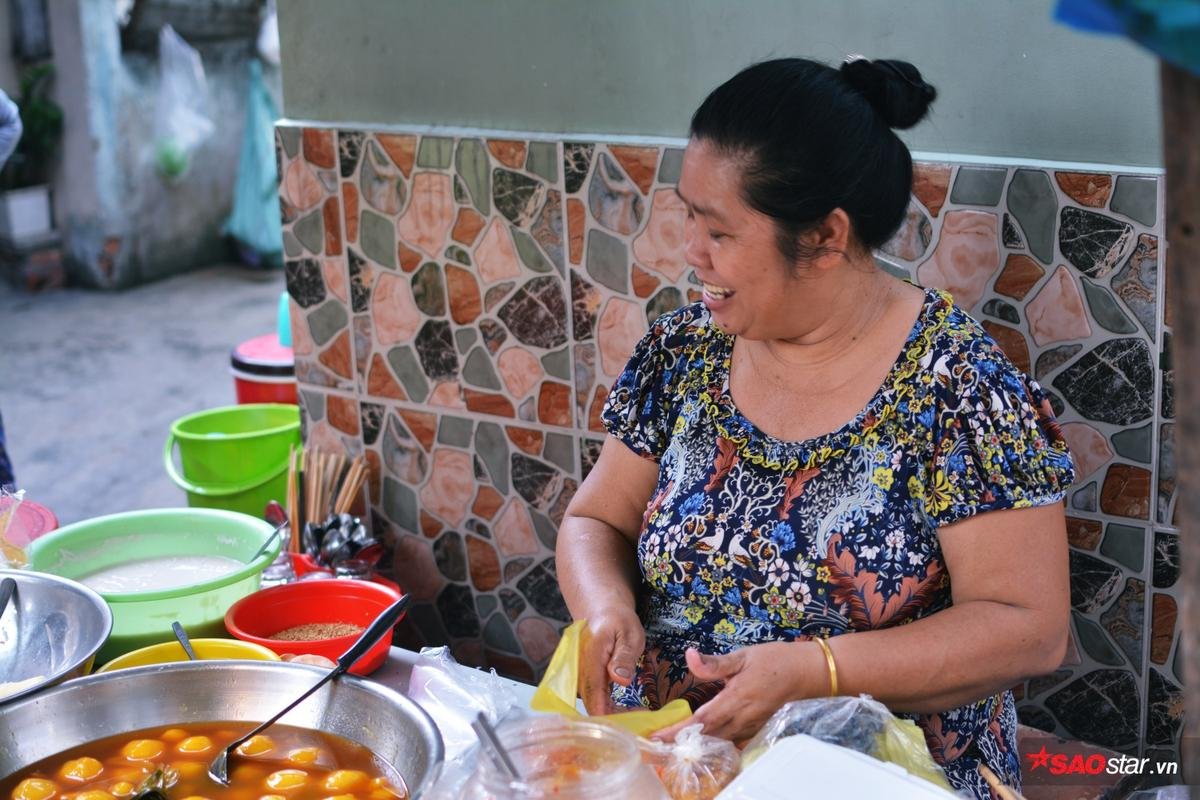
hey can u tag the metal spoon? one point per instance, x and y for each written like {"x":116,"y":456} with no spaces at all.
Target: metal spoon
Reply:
{"x":8,"y":587}
{"x":218,"y":770}
{"x":182,"y":636}
{"x":487,"y":736}
{"x":333,"y":546}
{"x":370,"y":554}
{"x":270,"y":540}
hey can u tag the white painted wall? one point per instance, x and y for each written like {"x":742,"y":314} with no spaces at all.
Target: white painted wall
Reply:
{"x":1012,"y":82}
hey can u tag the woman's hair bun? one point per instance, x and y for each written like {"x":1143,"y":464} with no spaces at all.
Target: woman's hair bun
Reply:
{"x":894,"y":89}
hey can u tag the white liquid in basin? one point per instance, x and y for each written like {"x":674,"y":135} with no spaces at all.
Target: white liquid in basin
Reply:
{"x":164,"y":572}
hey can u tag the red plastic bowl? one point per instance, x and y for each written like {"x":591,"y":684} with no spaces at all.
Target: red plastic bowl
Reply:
{"x":303,"y":564}
{"x":256,"y":617}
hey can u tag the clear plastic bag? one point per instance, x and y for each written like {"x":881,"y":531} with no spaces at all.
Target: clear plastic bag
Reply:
{"x":859,"y":723}
{"x":268,"y":35}
{"x":694,"y":766}
{"x":453,"y":695}
{"x":181,"y":117}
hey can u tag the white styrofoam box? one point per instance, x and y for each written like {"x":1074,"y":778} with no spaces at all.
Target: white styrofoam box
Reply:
{"x":25,"y":213}
{"x":801,"y":766}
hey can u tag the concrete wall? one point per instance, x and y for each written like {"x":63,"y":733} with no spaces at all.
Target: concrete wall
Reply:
{"x":1012,"y":82}
{"x":9,"y":78}
{"x":121,"y":222}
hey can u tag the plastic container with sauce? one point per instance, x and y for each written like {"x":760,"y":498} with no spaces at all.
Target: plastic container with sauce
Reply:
{"x":559,"y":758}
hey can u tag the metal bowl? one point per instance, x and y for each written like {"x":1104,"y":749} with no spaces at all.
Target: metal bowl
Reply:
{"x":393,"y":727}
{"x":51,"y":630}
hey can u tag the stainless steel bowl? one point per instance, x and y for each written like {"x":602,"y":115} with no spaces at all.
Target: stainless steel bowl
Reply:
{"x":393,"y":727}
{"x":51,"y":631}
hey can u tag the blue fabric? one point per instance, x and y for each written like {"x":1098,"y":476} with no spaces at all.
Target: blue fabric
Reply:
{"x":10,"y":127}
{"x":1169,"y":28}
{"x":255,"y":219}
{"x":6,"y":468}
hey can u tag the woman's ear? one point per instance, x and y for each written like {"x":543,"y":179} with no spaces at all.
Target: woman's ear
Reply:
{"x":829,"y":240}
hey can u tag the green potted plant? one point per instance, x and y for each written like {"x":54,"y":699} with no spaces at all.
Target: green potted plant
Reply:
{"x":24,"y":181}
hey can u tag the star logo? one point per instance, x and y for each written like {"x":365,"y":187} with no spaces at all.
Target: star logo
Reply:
{"x":1039,"y":759}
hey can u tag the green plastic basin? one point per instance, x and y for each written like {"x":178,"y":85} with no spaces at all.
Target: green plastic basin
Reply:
{"x":144,"y":618}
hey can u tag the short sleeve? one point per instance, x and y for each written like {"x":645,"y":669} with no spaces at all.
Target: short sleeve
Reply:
{"x":997,"y":445}
{"x":644,"y":400}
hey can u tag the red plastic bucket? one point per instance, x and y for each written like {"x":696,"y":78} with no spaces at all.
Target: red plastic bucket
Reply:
{"x":264,"y":371}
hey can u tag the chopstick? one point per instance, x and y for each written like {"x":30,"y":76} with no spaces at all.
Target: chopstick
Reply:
{"x":293,"y":502}
{"x":1002,"y":791}
{"x":351,"y":486}
{"x":330,"y":485}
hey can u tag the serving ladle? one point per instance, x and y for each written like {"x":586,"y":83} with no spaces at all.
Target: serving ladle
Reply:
{"x":218,"y":770}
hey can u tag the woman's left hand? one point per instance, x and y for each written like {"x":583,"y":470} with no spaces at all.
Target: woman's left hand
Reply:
{"x":758,"y":680}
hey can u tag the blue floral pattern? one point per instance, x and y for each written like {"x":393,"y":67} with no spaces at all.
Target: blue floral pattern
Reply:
{"x":748,"y":538}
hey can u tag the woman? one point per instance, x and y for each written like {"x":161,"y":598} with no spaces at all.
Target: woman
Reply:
{"x":818,"y":449}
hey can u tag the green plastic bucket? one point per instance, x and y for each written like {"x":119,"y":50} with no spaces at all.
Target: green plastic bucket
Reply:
{"x":236,"y":457}
{"x":144,"y":618}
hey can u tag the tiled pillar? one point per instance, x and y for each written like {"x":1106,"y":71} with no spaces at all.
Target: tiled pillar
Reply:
{"x":461,"y":306}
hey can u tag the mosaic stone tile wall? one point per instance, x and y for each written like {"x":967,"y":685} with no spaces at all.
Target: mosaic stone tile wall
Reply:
{"x":461,"y":306}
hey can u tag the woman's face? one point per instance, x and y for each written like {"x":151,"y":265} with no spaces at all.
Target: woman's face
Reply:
{"x":748,"y":284}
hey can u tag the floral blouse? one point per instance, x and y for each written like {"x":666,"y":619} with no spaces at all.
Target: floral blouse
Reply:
{"x":748,"y":538}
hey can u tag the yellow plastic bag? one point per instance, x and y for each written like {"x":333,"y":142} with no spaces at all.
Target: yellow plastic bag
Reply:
{"x":859,"y":723}
{"x":902,"y":742}
{"x":557,"y":692}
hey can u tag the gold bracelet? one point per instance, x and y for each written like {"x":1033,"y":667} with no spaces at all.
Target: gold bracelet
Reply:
{"x":829,"y":662}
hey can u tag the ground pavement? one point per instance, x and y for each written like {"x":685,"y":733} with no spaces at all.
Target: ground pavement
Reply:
{"x":91,"y":381}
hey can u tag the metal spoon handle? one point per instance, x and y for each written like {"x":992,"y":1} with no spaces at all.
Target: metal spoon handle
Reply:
{"x":487,"y":735}
{"x":182,"y":636}
{"x":8,"y":587}
{"x":266,"y":545}
{"x":382,"y":624}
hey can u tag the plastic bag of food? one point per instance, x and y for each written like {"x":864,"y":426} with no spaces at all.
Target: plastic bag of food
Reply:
{"x":181,"y":120}
{"x":859,"y":723}
{"x":11,"y":556}
{"x":559,"y":687}
{"x":694,"y":766}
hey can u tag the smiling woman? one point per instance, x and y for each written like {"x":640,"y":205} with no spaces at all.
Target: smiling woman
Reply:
{"x":819,"y":449}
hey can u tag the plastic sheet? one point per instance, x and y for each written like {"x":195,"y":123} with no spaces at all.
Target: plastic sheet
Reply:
{"x":1169,"y":28}
{"x":857,"y":723}
{"x":181,"y":119}
{"x":453,"y":695}
{"x":254,"y":220}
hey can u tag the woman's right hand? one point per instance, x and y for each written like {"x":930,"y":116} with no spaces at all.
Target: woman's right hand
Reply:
{"x":609,"y":654}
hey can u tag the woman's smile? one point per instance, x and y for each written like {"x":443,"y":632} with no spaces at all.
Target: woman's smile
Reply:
{"x":715,"y":296}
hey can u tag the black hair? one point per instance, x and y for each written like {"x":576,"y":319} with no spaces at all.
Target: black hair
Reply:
{"x":811,"y":138}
